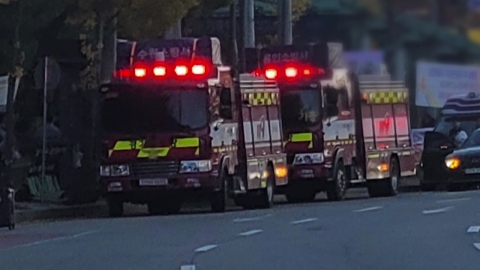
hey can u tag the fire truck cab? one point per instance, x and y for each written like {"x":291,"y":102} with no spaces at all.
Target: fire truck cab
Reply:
{"x":171,"y":131}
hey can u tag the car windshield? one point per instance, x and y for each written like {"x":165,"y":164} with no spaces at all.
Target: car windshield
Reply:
{"x":446,"y":125}
{"x":137,"y":111}
{"x":301,"y":108}
{"x":473,"y":140}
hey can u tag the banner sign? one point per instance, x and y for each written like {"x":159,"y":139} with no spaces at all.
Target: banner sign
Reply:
{"x":314,"y":54}
{"x":438,"y":82}
{"x":170,"y":49}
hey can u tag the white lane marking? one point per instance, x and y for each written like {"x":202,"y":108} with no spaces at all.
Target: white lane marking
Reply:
{"x":368,"y":209}
{"x":252,"y":232}
{"x":477,"y":245}
{"x":205,"y":248}
{"x":55,"y":239}
{"x":301,"y":221}
{"x":454,"y":200}
{"x":473,"y":229}
{"x":187,"y":267}
{"x":239,"y":220}
{"x":436,"y":211}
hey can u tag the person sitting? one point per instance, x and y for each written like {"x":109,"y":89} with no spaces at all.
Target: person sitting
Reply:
{"x":457,"y":134}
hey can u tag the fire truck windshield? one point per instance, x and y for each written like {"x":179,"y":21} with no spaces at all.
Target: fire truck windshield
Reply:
{"x":301,"y":108}
{"x":135,"y":111}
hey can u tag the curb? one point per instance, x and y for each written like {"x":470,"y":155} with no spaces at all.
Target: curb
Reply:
{"x":61,"y":212}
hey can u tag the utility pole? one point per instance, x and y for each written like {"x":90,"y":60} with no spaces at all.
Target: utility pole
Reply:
{"x":10,"y":116}
{"x":249,"y":24}
{"x":242,"y":152}
{"x":284,"y":8}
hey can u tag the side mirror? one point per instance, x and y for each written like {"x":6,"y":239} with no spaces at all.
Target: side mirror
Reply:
{"x":216,"y":124}
{"x":226,"y":108}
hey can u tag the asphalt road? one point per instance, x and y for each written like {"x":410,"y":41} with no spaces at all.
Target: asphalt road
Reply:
{"x":411,"y":231}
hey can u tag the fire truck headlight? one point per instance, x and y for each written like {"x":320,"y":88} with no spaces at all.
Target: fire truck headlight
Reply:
{"x":195,"y":166}
{"x":312,"y":158}
{"x":120,"y":170}
{"x":104,"y":170}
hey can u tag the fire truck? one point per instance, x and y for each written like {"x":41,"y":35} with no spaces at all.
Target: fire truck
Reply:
{"x":174,"y":127}
{"x":341,"y":130}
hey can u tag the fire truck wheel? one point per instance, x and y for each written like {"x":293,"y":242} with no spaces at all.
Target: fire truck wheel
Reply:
{"x":338,"y":186}
{"x":391,"y":189}
{"x":267,"y":194}
{"x":219,"y":198}
{"x":115,"y":206}
{"x":388,"y":187}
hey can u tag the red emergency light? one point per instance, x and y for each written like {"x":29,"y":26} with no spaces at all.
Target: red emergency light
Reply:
{"x":161,"y":70}
{"x":289,"y":72}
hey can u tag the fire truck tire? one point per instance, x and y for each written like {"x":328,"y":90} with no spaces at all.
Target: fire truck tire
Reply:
{"x":391,"y":186}
{"x":219,"y":199}
{"x":267,"y":194}
{"x":338,"y":186}
{"x":115,"y":206}
{"x":387,"y":187}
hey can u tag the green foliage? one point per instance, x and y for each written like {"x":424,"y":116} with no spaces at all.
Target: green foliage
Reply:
{"x":374,"y":7}
{"x":33,"y":16}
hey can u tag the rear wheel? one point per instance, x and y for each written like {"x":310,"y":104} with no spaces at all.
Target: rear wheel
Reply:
{"x":265,"y":200}
{"x":338,"y":186}
{"x":115,"y":206}
{"x":387,"y":187}
{"x":219,"y":198}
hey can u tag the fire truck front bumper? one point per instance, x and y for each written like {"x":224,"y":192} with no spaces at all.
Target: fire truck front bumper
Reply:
{"x":182,"y":182}
{"x":307,"y":172}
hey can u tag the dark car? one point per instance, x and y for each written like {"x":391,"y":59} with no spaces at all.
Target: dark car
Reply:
{"x":463,"y":165}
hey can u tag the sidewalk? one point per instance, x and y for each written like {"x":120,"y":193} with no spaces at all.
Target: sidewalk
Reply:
{"x":33,"y":211}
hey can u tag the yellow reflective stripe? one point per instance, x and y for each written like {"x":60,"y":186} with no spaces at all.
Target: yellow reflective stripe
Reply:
{"x":187,"y":142}
{"x":302,"y":137}
{"x":262,"y":98}
{"x":387,"y":97}
{"x":128,"y":145}
{"x":153,"y":152}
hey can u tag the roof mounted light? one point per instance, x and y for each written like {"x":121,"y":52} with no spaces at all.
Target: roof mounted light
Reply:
{"x":160,"y":71}
{"x":291,"y":72}
{"x":181,"y":70}
{"x":199,"y":69}
{"x":140,"y":72}
{"x":271,"y":73}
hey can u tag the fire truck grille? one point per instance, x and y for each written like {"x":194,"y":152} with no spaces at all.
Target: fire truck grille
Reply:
{"x":155,"y":169}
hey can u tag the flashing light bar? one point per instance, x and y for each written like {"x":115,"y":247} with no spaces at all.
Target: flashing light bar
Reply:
{"x":288,"y":72}
{"x":164,"y":70}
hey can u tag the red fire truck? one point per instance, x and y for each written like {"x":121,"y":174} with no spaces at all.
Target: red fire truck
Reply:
{"x":171,"y":130}
{"x":341,"y":130}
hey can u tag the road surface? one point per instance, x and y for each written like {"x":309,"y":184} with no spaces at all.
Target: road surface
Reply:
{"x":411,"y":231}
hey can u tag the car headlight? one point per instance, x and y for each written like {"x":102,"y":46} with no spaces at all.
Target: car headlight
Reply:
{"x":452,"y":163}
{"x":312,"y":158}
{"x":193,"y":166}
{"x":115,"y":170}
